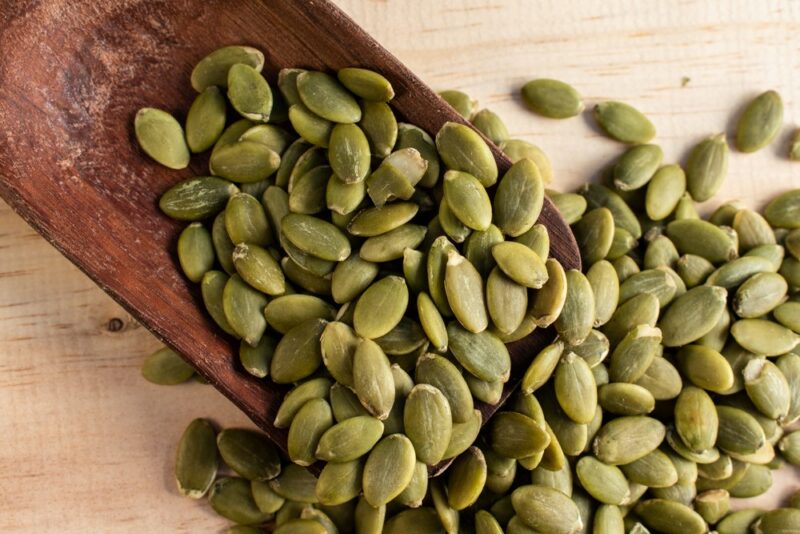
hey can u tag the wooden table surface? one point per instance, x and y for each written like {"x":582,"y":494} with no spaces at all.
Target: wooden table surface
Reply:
{"x":88,"y":445}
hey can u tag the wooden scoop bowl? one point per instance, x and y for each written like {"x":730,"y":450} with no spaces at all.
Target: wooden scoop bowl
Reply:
{"x":72,"y":76}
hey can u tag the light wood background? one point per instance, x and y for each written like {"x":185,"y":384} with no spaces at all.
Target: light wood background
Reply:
{"x":86,"y":445}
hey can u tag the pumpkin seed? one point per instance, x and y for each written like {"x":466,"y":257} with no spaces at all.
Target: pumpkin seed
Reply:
{"x":196,"y":462}
{"x":463,"y":149}
{"x":166,"y":367}
{"x":623,"y":122}
{"x":606,"y":483}
{"x":246,"y":221}
{"x":491,"y":125}
{"x":231,"y":498}
{"x":546,"y":509}
{"x":552,"y":98}
{"x":366,"y":84}
{"x":297,"y":397}
{"x":388,"y":470}
{"x":308,"y":425}
{"x":670,"y":517}
{"x":637,"y":166}
{"x":594,"y":234}
{"x":249,"y":453}
{"x":764,"y":337}
{"x":760,"y":122}
{"x":482,"y":355}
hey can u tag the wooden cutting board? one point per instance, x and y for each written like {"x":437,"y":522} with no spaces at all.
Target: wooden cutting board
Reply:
{"x":88,"y":445}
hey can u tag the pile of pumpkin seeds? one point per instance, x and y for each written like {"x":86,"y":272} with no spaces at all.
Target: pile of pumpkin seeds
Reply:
{"x":666,"y":393}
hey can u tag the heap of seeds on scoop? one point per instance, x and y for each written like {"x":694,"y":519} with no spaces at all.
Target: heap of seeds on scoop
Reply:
{"x":365,"y":263}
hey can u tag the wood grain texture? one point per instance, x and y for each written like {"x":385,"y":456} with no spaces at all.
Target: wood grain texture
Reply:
{"x":94,"y":196}
{"x":89,"y":445}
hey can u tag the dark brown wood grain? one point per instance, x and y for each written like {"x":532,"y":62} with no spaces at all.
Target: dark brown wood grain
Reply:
{"x":73,"y":74}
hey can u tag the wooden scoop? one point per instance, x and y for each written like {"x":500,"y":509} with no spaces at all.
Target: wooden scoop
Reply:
{"x":72,"y":76}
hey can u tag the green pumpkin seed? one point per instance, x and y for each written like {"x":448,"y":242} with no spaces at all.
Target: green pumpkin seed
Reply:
{"x":249,"y":92}
{"x":599,"y":196}
{"x":295,"y":483}
{"x":516,"y":436}
{"x":464,"y":290}
{"x":391,"y":245}
{"x":789,"y":446}
{"x":372,"y":379}
{"x":428,"y":422}
{"x":739,"y":432}
{"x":542,"y":367}
{"x":339,"y":482}
{"x":388,"y":470}
{"x":308,"y":425}
{"x":231,"y":498}
{"x":491,"y":125}
{"x":626,"y":439}
{"x":295,"y":399}
{"x":390,"y":295}
{"x":444,"y":376}
{"x":309,"y":191}
{"x":552,"y":98}
{"x":310,"y":126}
{"x":436,"y":266}
{"x":692,"y":315}
{"x":410,"y":136}
{"x":722,"y":469}
{"x":298,"y":353}
{"x":637,"y":166}
{"x":256,"y":360}
{"x":605,"y":287}
{"x":243,"y":307}
{"x":468,"y":200}
{"x":764,"y":337}
{"x":274,"y":137}
{"x":789,"y":364}
{"x":338,"y":345}
{"x":212,"y":288}
{"x":575,"y":388}
{"x":396,"y":177}
{"x":196,"y":462}
{"x":670,"y":517}
{"x":693,"y":269}
{"x":661,"y":379}
{"x":624,"y":123}
{"x":622,"y":242}
{"x":706,"y":368}
{"x":577,"y":316}
{"x":223,"y":246}
{"x":521,"y":264}
{"x":654,"y":281}
{"x":463,"y":149}
{"x":548,"y":302}
{"x":258,"y":268}
{"x":518,"y":199}
{"x":246,"y":221}
{"x":757,"y":479}
{"x":625,"y":399}
{"x":452,"y":226}
{"x":326,"y":97}
{"x":196,"y":198}
{"x":752,"y":229}
{"x":351,"y":277}
{"x":432,"y":322}
{"x":655,"y":470}
{"x":695,"y":236}
{"x":306,"y":279}
{"x":606,"y":483}
{"x":205,"y":120}
{"x":704,"y":457}
{"x":195,"y":251}
{"x":349,"y":439}
{"x":571,"y":206}
{"x":380,"y":127}
{"x":463,"y":435}
{"x":664,"y":190}
{"x":507,"y":301}
{"x":738,"y":522}
{"x":213,"y":69}
{"x":466,"y":479}
{"x":460,"y":101}
{"x":559,"y":479}
{"x":249,"y":453}
{"x":696,"y":420}
{"x":737,"y":271}
{"x":266,"y":500}
{"x":413,"y":494}
{"x":759,"y":295}
{"x":790,"y":270}
{"x":546,"y":509}
{"x":760,"y":122}
{"x":166,"y":367}
{"x":660,"y":252}
{"x":366,"y":84}
{"x":482,"y":355}
{"x":594,"y":234}
{"x":316,"y":237}
{"x":767,"y":388}
{"x":415,"y":270}
{"x":783,"y":211}
{"x":634,"y":354}
{"x":485,"y":523}
{"x":349,"y":153}
{"x":161,"y":137}
{"x":707,"y":167}
{"x":369,"y":519}
{"x":377,"y":221}
{"x":244,"y":161}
